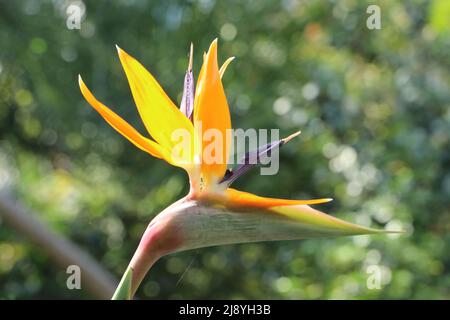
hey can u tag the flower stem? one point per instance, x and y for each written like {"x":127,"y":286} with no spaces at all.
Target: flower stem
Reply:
{"x":143,"y":259}
{"x":156,"y":241}
{"x":123,"y":291}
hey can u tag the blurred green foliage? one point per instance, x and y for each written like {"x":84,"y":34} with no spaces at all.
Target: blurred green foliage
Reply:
{"x":373,"y":106}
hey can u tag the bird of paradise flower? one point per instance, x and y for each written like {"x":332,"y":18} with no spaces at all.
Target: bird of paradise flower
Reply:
{"x":212,"y":213}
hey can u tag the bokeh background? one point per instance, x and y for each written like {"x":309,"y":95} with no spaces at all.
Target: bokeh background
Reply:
{"x":373,"y":106}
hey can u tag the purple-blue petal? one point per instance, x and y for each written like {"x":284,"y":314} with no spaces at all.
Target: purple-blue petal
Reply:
{"x":250,"y":160}
{"x":187,"y":101}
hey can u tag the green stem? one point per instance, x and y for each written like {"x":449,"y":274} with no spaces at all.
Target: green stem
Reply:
{"x":143,"y":259}
{"x":123,"y":291}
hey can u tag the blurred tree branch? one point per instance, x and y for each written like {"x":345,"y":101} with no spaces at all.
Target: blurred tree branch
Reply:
{"x":96,"y":279}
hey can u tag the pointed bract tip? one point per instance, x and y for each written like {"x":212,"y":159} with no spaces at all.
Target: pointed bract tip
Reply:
{"x":213,"y":45}
{"x":80,"y":81}
{"x":292,"y":136}
{"x":394,"y":231}
{"x":191,"y":57}
{"x":119,"y":51}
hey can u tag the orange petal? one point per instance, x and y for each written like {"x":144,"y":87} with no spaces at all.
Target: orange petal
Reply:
{"x":119,"y":124}
{"x":236,"y":198}
{"x":211,"y":115}
{"x":160,"y":115}
{"x":224,"y":66}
